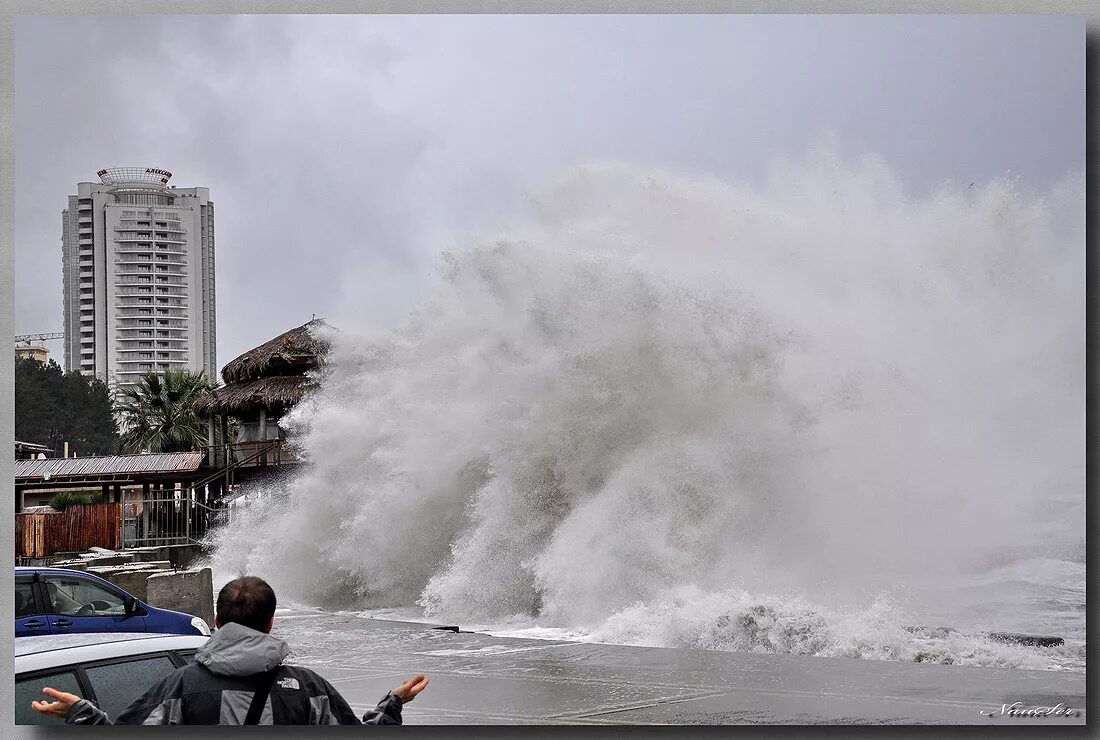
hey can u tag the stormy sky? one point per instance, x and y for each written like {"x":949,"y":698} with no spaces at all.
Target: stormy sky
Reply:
{"x":344,"y":152}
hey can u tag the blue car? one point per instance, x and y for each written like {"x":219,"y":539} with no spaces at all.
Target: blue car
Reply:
{"x":54,"y":601}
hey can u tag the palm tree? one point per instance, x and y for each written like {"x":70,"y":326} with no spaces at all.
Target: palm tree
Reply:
{"x":158,"y":415}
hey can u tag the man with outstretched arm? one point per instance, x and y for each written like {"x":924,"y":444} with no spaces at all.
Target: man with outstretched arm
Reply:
{"x":238,"y":678}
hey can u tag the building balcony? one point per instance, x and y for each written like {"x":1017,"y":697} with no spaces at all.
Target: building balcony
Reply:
{"x":175,"y":344}
{"x":132,"y":323}
{"x":170,"y":322}
{"x":140,"y":371}
{"x":131,"y":356}
{"x":128,"y":365}
{"x":137,"y":297}
{"x":129,"y":334}
{"x":131,"y":310}
{"x":143,"y":291}
{"x":130,"y":305}
{"x":131,"y":313}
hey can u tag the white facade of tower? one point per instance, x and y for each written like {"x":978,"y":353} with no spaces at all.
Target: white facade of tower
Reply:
{"x":138,"y":261}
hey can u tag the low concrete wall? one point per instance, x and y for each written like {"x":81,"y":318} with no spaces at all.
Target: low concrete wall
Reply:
{"x":189,"y":591}
{"x":71,"y":564}
{"x":85,"y":563}
{"x":109,"y":559}
{"x":180,"y":556}
{"x":132,"y":578}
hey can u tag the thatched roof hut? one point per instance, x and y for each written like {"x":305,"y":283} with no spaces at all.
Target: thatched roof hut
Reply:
{"x":271,"y":377}
{"x":291,"y":353}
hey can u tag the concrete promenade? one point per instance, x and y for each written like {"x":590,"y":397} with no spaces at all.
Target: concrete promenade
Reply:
{"x":479,"y":679}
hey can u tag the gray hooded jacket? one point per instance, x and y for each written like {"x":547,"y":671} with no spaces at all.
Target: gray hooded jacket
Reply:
{"x":218,"y":688}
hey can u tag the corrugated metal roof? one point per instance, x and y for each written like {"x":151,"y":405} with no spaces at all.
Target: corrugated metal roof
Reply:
{"x":67,"y":467}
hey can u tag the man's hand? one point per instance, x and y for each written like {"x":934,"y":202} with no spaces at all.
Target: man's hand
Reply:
{"x":60,"y":707}
{"x":408,"y":690}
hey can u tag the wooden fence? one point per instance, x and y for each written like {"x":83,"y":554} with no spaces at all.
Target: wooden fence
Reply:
{"x":75,"y":529}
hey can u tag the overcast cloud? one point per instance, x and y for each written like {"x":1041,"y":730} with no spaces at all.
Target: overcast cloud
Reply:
{"x":344,"y":152}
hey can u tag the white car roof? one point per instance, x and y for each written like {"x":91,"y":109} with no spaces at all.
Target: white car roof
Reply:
{"x":51,"y":651}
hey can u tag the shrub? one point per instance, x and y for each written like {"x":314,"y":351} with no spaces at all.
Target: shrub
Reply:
{"x":60,"y":501}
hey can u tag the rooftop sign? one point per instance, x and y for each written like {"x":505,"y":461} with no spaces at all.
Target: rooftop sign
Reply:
{"x":146,"y":175}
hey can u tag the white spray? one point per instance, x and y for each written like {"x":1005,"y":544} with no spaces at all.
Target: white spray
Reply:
{"x":682,"y":411}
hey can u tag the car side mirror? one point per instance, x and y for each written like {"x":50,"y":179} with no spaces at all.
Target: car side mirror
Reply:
{"x":131,"y":606}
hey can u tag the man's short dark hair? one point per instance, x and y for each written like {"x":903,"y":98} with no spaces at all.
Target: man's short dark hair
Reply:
{"x":248,"y":601}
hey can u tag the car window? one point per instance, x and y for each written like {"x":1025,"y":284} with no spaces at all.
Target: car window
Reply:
{"x":118,"y":684}
{"x":79,"y":597}
{"x":30,"y":689}
{"x":24,"y":600}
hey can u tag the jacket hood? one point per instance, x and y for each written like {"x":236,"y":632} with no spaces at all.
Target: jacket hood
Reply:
{"x":236,"y":650}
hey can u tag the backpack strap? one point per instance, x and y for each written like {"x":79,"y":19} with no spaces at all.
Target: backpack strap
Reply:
{"x":263,"y":689}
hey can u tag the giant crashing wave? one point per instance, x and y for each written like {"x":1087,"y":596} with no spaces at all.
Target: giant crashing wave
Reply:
{"x":691,"y":412}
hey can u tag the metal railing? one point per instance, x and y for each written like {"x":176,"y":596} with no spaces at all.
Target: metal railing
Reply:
{"x":170,"y":517}
{"x":185,"y":515}
{"x":248,"y":454}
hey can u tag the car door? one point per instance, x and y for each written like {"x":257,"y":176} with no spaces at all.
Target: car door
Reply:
{"x":28,"y":688}
{"x":110,"y":684}
{"x":30,"y":612}
{"x":78,"y":604}
{"x":116,"y":683}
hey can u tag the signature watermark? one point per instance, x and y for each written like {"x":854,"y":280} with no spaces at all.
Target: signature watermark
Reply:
{"x":1017,"y":709}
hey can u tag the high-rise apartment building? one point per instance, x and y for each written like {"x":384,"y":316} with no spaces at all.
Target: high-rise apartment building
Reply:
{"x":138,"y":260}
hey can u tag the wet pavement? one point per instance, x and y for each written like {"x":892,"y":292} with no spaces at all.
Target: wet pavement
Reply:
{"x":479,"y":679}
